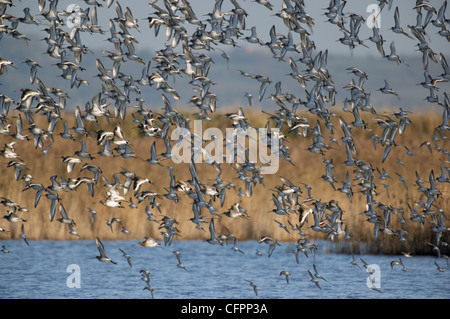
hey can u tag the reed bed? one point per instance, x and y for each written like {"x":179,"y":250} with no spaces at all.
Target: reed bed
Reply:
{"x":308,"y":169}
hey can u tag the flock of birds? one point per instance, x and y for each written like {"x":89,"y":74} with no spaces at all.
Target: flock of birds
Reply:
{"x":185,"y":55}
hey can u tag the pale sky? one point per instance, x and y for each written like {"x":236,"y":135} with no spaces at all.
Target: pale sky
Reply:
{"x":324,"y":34}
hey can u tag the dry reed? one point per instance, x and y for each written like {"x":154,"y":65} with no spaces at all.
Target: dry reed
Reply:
{"x":308,"y":170}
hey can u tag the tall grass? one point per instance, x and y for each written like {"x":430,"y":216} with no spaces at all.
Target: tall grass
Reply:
{"x":308,"y":170}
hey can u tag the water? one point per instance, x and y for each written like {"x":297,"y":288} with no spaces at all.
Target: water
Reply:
{"x":43,"y":270}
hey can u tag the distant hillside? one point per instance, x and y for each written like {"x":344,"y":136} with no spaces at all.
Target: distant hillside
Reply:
{"x":405,"y":80}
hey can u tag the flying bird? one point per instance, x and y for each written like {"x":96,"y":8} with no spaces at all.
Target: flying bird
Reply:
{"x":101,"y":249}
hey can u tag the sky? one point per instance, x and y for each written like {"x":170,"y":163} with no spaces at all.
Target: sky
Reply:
{"x":324,"y":35}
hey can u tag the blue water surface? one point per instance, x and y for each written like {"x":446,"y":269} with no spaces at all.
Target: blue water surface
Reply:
{"x":69,"y":270}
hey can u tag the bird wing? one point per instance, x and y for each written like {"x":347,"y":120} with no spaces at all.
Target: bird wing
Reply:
{"x":153,"y":151}
{"x":100,"y":247}
{"x":271,"y":249}
{"x":78,"y":117}
{"x":63,"y":212}
{"x":212,"y":229}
